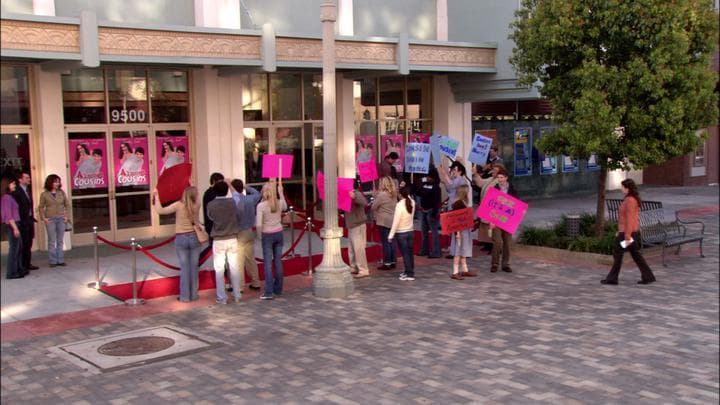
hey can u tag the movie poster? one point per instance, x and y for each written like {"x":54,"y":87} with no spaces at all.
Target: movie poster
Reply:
{"x":365,"y":148}
{"x":419,"y":138}
{"x":523,"y":151}
{"x":393,"y":143}
{"x":87,"y":163}
{"x":131,"y":164}
{"x":592,"y":163}
{"x":548,"y":163}
{"x":171,"y":151}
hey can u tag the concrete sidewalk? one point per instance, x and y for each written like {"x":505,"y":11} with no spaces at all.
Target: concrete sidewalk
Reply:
{"x":62,"y":290}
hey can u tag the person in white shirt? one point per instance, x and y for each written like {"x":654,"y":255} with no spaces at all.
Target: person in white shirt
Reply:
{"x":404,"y":229}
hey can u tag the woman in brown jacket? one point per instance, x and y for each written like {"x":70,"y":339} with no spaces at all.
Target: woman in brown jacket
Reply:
{"x":628,"y":227}
{"x":53,"y":211}
{"x":384,"y":209}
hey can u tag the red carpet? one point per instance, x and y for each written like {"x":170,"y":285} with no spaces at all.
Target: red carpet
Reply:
{"x":162,"y":287}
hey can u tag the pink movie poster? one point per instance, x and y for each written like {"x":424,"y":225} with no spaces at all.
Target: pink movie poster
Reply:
{"x":87,"y":163}
{"x":171,"y":151}
{"x":131,"y":164}
{"x":393,"y":143}
{"x":419,"y":138}
{"x":365,"y":148}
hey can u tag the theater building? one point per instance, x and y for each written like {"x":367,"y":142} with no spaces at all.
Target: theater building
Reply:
{"x":110,"y":93}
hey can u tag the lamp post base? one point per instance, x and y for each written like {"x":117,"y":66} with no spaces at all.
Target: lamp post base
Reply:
{"x":333,"y":282}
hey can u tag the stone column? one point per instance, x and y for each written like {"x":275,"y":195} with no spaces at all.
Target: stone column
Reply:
{"x":332,"y":278}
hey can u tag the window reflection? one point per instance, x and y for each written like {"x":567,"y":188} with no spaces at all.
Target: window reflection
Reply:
{"x":84,"y":97}
{"x":256,"y":144}
{"x":169,"y":95}
{"x":285,"y":96}
{"x":255,"y":97}
{"x":14,"y":97}
{"x":127,"y":93}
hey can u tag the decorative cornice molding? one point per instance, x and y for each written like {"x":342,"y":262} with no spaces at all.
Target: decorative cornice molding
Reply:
{"x":451,"y":56}
{"x":39,"y":36}
{"x":299,"y":50}
{"x":365,"y":53}
{"x":117,"y":41}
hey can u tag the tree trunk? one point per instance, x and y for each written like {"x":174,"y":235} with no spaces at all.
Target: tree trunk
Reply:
{"x":600,"y":208}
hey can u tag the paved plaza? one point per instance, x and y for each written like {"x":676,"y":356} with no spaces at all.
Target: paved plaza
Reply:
{"x":546,"y":333}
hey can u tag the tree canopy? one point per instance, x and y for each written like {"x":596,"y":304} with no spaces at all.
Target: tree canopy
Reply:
{"x":643,"y":65}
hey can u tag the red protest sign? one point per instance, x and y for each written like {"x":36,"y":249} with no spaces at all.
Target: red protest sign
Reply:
{"x":172,"y":182}
{"x":456,"y":221}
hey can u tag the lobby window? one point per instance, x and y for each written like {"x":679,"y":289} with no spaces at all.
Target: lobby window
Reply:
{"x":169,"y":95}
{"x":84,"y":97}
{"x":14,"y":97}
{"x":285,"y":96}
{"x":312,"y":97}
{"x":255,"y":97}
{"x":127,"y":96}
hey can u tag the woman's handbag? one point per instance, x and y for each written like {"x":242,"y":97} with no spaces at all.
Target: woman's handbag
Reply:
{"x":202,"y":236}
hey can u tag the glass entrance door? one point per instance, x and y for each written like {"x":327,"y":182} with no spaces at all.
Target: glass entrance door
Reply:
{"x":130,"y":184}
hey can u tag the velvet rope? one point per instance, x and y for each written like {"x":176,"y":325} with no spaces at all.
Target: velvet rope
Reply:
{"x":123,"y":247}
{"x":290,"y":249}
{"x":113,"y":244}
{"x":158,"y":261}
{"x":161,"y":244}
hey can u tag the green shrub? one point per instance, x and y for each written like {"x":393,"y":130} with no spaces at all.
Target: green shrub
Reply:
{"x":556,"y":236}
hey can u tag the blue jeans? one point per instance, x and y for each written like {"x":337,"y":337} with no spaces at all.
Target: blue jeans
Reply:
{"x":272,"y":244}
{"x":429,"y":221}
{"x":55,"y":232}
{"x":389,"y":253}
{"x":13,"y":267}
{"x":405,"y":241}
{"x":187,"y":247}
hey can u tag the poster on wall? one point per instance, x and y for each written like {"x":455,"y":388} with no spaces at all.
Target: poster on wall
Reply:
{"x":171,"y":151}
{"x":393,"y":143}
{"x":419,"y":138}
{"x":592,"y":163}
{"x":523,"y":151}
{"x":87,"y":163}
{"x":548,"y":163}
{"x":365,"y":148}
{"x":131,"y":165}
{"x":570,"y":164}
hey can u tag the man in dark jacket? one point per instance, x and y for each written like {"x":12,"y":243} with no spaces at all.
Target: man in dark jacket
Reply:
{"x":207,"y":197}
{"x":23,"y":196}
{"x":430,"y":200}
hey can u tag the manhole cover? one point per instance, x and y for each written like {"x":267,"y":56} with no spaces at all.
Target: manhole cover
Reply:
{"x":136,"y":346}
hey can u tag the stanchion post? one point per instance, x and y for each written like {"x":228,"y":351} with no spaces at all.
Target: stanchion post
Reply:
{"x":308,"y":226}
{"x":134,"y":300}
{"x":96,"y":284}
{"x":291,"y":212}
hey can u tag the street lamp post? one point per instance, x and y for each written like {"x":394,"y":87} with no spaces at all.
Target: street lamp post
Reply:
{"x":332,"y":278}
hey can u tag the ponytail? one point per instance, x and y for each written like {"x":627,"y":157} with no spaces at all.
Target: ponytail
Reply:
{"x":405,"y":194}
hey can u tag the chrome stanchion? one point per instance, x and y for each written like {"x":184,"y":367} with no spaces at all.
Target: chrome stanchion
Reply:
{"x":308,"y":226}
{"x":134,"y":300}
{"x":97,"y":283}
{"x":292,"y":253}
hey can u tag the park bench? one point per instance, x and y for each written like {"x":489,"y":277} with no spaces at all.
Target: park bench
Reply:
{"x":655,"y":231}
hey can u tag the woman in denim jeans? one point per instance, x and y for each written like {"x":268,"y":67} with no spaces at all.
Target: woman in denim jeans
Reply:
{"x":52,"y":210}
{"x":187,"y":245}
{"x":268,"y":223}
{"x":383,"y":208}
{"x":403,"y":227}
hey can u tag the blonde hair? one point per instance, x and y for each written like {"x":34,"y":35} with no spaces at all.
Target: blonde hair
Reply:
{"x":462,"y":194}
{"x":387,"y":184}
{"x":269,"y":194}
{"x":189,"y":199}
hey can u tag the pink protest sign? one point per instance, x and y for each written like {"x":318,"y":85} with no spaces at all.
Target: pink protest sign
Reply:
{"x":344,"y":187}
{"x":271,"y":166}
{"x":367,"y":171}
{"x":502,"y":210}
{"x":131,"y":167}
{"x":321,"y":185}
{"x":87,"y":163}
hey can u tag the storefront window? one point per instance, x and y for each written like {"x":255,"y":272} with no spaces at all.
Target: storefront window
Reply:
{"x":312,"y":93}
{"x":285,"y":96}
{"x":256,"y":145}
{"x":364,"y":105}
{"x":419,"y":98}
{"x":169,"y":96}
{"x":255,"y":97}
{"x":14,"y":97}
{"x":84,"y":97}
{"x":14,"y":154}
{"x":127,"y":94}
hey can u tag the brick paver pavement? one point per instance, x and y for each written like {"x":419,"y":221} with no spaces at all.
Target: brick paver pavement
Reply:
{"x":546,"y":333}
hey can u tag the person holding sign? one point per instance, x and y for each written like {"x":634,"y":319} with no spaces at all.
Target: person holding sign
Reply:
{"x":268,"y":223}
{"x":430,"y":202}
{"x":492,"y":159}
{"x":403,"y":228}
{"x":357,"y":238}
{"x":460,"y":242}
{"x":501,"y":239}
{"x":383,"y":209}
{"x":454,"y":180}
{"x":627,"y":235}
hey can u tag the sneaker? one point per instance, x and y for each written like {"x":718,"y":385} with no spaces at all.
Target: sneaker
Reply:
{"x":252,"y":287}
{"x":405,"y":277}
{"x":385,"y":267}
{"x":266,"y":297}
{"x":237,"y":299}
{"x":220,"y":302}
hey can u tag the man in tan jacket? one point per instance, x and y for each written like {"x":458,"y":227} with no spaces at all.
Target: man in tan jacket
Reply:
{"x":355,"y":221}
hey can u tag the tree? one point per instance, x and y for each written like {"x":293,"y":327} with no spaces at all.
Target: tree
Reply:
{"x":643,"y":66}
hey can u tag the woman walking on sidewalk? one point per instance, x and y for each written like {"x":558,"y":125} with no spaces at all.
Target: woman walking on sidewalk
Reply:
{"x":10,"y":218}
{"x":384,"y":208}
{"x":403,"y":226}
{"x":52,"y":210}
{"x":628,"y":227}
{"x":268,"y":223}
{"x":461,"y":243}
{"x":187,"y":245}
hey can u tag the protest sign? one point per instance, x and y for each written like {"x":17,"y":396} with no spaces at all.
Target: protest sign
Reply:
{"x":173,"y":182}
{"x":367,"y":171}
{"x":449,"y":146}
{"x":435,"y":148}
{"x":271,"y":166}
{"x":456,"y":221}
{"x":321,"y":185}
{"x":501,"y":209}
{"x":480,"y":149}
{"x":417,"y":158}
{"x":344,"y":186}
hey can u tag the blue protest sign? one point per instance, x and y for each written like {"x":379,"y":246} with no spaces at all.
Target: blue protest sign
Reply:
{"x":435,"y":148}
{"x":449,"y":146}
{"x":480,"y":149}
{"x":417,"y":157}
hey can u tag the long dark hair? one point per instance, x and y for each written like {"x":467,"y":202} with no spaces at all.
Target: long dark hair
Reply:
{"x":49,"y":180}
{"x":632,"y":188}
{"x":84,"y":148}
{"x":405,"y":194}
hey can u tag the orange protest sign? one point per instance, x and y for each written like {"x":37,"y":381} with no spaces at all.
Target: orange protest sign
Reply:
{"x":456,"y":221}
